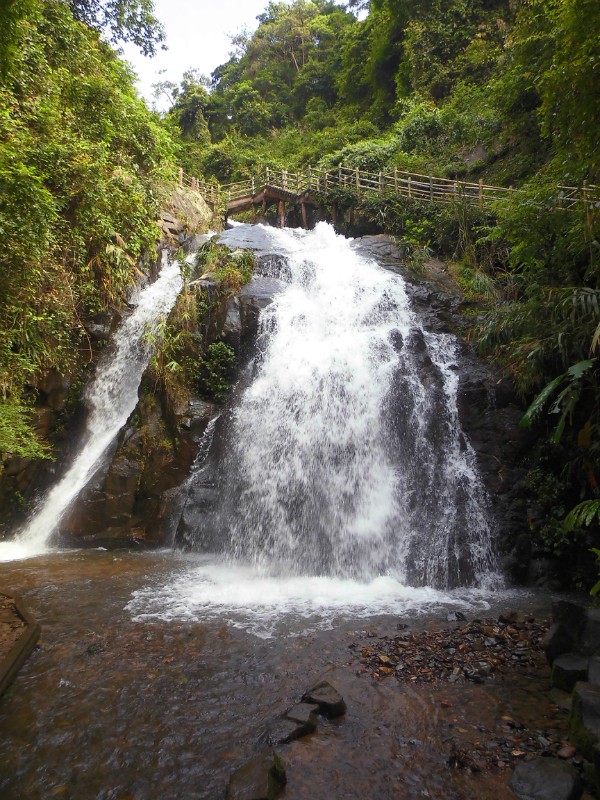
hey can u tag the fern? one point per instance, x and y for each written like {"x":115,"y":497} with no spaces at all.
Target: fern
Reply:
{"x":582,"y":515}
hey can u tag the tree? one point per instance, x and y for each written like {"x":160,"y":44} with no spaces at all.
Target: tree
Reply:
{"x":123,"y":21}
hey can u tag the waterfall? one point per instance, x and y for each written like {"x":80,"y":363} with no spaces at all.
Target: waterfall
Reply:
{"x":344,"y":483}
{"x":346,"y":456}
{"x":111,"y":397}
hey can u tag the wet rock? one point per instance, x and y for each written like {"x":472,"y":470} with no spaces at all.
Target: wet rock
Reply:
{"x":545,"y":779}
{"x":261,"y":778}
{"x":557,"y":641}
{"x":283,"y":731}
{"x":232,"y":329}
{"x":573,"y":615}
{"x":330,"y":701}
{"x":568,"y":669}
{"x":584,"y":722}
{"x":304,"y":715}
{"x":508,"y":616}
{"x":100,"y":326}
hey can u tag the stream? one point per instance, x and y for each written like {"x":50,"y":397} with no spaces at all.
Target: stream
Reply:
{"x":110,"y":708}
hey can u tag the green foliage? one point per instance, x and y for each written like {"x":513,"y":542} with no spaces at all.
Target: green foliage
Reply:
{"x":566,"y":401}
{"x":81,"y":160}
{"x":123,"y":20}
{"x":15,"y":433}
{"x":216,"y":370}
{"x":229,"y":269}
{"x":583,"y":515}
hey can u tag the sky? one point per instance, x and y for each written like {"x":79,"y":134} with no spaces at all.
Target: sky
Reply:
{"x":197,"y":36}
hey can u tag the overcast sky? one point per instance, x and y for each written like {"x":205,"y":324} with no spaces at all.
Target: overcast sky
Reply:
{"x":197,"y":36}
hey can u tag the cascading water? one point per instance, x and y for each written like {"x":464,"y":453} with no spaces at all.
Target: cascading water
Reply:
{"x":347,"y":483}
{"x":347,"y":454}
{"x":111,"y":398}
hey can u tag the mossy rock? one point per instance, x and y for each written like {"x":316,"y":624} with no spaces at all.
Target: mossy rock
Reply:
{"x":584,"y":722}
{"x":261,"y":778}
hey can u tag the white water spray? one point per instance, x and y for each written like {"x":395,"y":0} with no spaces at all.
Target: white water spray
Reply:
{"x":348,"y":486}
{"x":347,"y":448}
{"x":111,"y":397}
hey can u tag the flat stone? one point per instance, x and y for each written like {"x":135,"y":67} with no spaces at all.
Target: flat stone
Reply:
{"x":330,"y":701}
{"x":584,"y":722}
{"x":545,"y":779}
{"x":567,"y":670}
{"x":304,"y":714}
{"x":261,"y":778}
{"x":283,"y":731}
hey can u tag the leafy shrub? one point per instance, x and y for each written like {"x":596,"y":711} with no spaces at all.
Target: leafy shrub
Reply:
{"x":216,"y":370}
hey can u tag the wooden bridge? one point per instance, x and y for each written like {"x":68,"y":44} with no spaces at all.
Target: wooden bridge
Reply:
{"x":314,"y":186}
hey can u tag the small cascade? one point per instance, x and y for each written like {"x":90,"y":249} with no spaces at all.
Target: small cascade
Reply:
{"x":111,"y":398}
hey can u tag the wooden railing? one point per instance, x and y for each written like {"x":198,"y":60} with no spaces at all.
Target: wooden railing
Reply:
{"x":398,"y":182}
{"x":211,"y":192}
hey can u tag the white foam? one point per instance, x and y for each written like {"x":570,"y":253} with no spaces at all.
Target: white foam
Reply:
{"x":268,"y":604}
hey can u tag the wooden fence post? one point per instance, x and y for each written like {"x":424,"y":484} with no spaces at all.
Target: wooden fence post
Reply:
{"x":326,"y":177}
{"x":180,"y":176}
{"x":396,"y":179}
{"x":358,"y":181}
{"x":267,"y":176}
{"x":409,"y":186}
{"x":431,"y":188}
{"x":480,"y":193}
{"x":381,"y":183}
{"x":309,"y":178}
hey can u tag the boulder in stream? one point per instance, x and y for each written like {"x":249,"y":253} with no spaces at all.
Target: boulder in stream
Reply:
{"x":330,"y":701}
{"x":261,"y":778}
{"x":545,"y":779}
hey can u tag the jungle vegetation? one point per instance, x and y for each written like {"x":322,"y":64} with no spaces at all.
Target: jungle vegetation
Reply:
{"x":503,"y":90}
{"x":82,"y":160}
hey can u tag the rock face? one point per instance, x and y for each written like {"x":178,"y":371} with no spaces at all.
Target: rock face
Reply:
{"x":545,"y":779}
{"x":140,"y":495}
{"x":487,"y":407}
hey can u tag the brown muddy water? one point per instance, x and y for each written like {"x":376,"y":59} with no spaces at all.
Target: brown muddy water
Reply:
{"x":115,"y":709}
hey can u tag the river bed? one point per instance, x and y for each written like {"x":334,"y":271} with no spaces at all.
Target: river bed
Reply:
{"x":113,"y":708}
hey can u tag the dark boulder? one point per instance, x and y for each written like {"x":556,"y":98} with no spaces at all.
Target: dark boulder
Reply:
{"x":330,"y":701}
{"x":545,"y":779}
{"x":568,"y":669}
